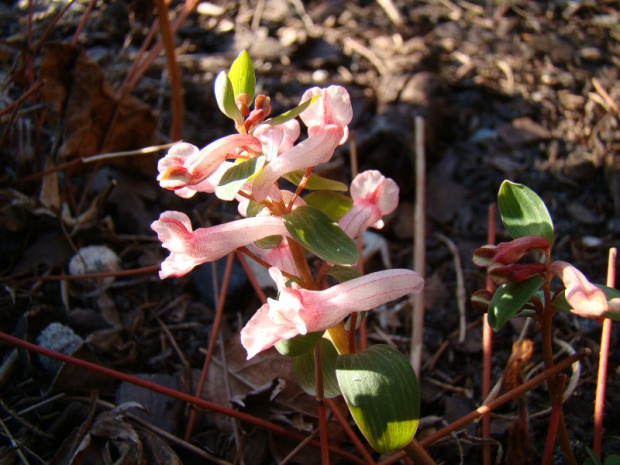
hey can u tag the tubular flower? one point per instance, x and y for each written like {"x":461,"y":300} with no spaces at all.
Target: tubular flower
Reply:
{"x":277,"y":139}
{"x":190,"y":248}
{"x":514,"y":272}
{"x":508,"y":252}
{"x":184,"y":165}
{"x":585,"y":298}
{"x":299,"y":311}
{"x":208,"y":185}
{"x":374,"y":196}
{"x":311,"y":152}
{"x":333,"y":107}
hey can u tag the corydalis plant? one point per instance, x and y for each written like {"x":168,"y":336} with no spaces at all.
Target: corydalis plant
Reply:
{"x":281,"y":227}
{"x":526,"y":289}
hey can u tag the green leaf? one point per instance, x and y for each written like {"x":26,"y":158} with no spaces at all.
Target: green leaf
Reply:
{"x":225,"y":96}
{"x":381,"y":390}
{"x":298,"y":345}
{"x":510,"y":298}
{"x":242,"y":76}
{"x":523,"y":212}
{"x":293,"y":113}
{"x":343,"y":273}
{"x":237,"y":175}
{"x":333,"y":204}
{"x":592,"y":458}
{"x":268,"y":242}
{"x":315,"y":182}
{"x":612,"y":459}
{"x":315,"y":231}
{"x":303,"y":368}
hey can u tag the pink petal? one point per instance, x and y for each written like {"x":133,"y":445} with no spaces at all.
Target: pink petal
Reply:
{"x":374,"y":196}
{"x":311,"y":152}
{"x":334,"y":107}
{"x":299,"y":311}
{"x":189,"y":249}
{"x":585,"y":298}
{"x":277,"y":139}
{"x":184,"y":165}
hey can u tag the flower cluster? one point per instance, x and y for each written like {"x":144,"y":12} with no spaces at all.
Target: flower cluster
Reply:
{"x":584,"y":298}
{"x":254,"y":160}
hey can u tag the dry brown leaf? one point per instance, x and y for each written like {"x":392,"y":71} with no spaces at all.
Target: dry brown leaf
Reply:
{"x":93,"y":119}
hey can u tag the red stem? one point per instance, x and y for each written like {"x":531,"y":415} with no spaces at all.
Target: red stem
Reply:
{"x":349,"y":431}
{"x":217,"y":321}
{"x":599,"y":403}
{"x":487,"y":348}
{"x":171,"y":393}
{"x":487,"y":408}
{"x":554,"y":419}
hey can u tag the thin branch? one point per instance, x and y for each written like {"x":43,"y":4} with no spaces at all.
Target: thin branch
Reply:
{"x":419,"y":238}
{"x":601,"y":381}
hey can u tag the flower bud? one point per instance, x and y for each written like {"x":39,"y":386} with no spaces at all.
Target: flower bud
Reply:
{"x":514,"y":272}
{"x":480,"y":300}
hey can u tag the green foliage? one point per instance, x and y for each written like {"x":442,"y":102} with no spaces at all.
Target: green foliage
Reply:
{"x":294,"y":113}
{"x":225,"y":96}
{"x":343,"y":273}
{"x":303,"y":368}
{"x":594,"y":460}
{"x":315,"y":182}
{"x":315,"y":231}
{"x":298,"y":345}
{"x":510,"y":298}
{"x":333,"y":204}
{"x":237,"y":175}
{"x":523,"y":212}
{"x":381,"y":390}
{"x":242,"y":76}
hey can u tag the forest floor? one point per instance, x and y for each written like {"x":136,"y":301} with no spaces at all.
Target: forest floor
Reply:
{"x":522,"y":90}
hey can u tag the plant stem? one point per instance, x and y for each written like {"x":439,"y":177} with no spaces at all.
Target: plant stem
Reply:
{"x":417,"y":453}
{"x":307,"y":281}
{"x":320,"y":402}
{"x":552,"y":430}
{"x":599,"y":402}
{"x":547,"y":352}
{"x":501,"y":400}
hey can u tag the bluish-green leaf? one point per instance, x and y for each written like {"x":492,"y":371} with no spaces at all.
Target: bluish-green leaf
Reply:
{"x":298,"y":345}
{"x":523,"y":212}
{"x":225,"y":96}
{"x":315,"y":231}
{"x":303,"y":368}
{"x":237,"y":175}
{"x":242,"y":76}
{"x":343,"y":273}
{"x":315,"y":182}
{"x":509,"y":298}
{"x":381,"y":390}
{"x":293,"y":113}
{"x":268,"y":242}
{"x":333,"y":204}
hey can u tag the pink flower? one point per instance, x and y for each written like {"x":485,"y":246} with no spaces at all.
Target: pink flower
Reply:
{"x":208,"y":185}
{"x":279,"y":256}
{"x":277,"y":139}
{"x":184,"y":165}
{"x":299,"y":311}
{"x":585,"y":298}
{"x":374,"y":196}
{"x":333,"y":107}
{"x":313,"y":151}
{"x":191,"y":248}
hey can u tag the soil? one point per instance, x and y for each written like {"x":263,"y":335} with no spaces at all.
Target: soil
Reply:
{"x":522,"y":90}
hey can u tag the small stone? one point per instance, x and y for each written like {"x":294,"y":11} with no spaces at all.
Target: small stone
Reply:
{"x":95,"y":259}
{"x":59,"y":338}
